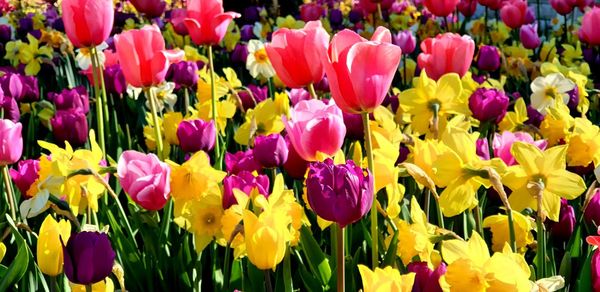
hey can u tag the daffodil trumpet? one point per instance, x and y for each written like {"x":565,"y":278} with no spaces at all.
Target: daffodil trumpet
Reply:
{"x":369,"y":149}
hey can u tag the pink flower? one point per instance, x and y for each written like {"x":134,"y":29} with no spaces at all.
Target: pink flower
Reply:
{"x":87,"y":22}
{"x":446,"y":53}
{"x":25,"y":175}
{"x":145,"y":179}
{"x":503,"y":142}
{"x":589,"y":33}
{"x":311,"y":11}
{"x":143,"y":56}
{"x":315,"y":127}
{"x":11,"y":142}
{"x":514,"y":13}
{"x":563,"y":7}
{"x":360,"y":72}
{"x":441,"y":8}
{"x":294,"y":54}
{"x":492,"y":4}
{"x":206,"y":22}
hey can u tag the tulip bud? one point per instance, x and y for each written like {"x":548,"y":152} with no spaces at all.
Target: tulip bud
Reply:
{"x":467,"y":7}
{"x":563,"y":7}
{"x":5,"y":33}
{"x":240,"y":161}
{"x":488,"y":105}
{"x":535,"y":118}
{"x":266,"y":238}
{"x":298,"y":94}
{"x":21,"y":88}
{"x":89,"y":257}
{"x":406,"y":41}
{"x":145,"y":179}
{"x":295,"y":166}
{"x":177,"y":17}
{"x":529,"y":36}
{"x":196,"y":135}
{"x":513,"y":13}
{"x":239,"y":54}
{"x":270,"y":151}
{"x":10,"y":107}
{"x":488,"y":58}
{"x":588,"y":33}
{"x":482,"y":149}
{"x":563,"y":229}
{"x":311,"y":11}
{"x":71,"y":99}
{"x":592,"y":211}
{"x":329,"y":186}
{"x":71,"y":126}
{"x":150,"y":8}
{"x":49,"y":247}
{"x":354,"y":126}
{"x":253,"y":96}
{"x":185,"y":73}
{"x":11,"y":142}
{"x":336,"y":18}
{"x":25,"y":175}
{"x":246,"y":182}
{"x":114,"y":80}
{"x":595,"y":264}
{"x":426,"y":279}
{"x":492,"y":4}
{"x":247,"y":33}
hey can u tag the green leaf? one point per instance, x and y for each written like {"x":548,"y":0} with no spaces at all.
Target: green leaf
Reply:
{"x":19,"y":265}
{"x":565,"y":267}
{"x":574,"y":245}
{"x":317,"y":261}
{"x":390,"y":255}
{"x":584,"y":282}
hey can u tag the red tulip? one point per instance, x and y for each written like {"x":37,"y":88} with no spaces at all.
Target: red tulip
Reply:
{"x":588,"y":32}
{"x":467,"y":7}
{"x":143,"y":57}
{"x":446,"y":53}
{"x":359,"y":71}
{"x":88,"y":22}
{"x":491,"y":4}
{"x":563,"y":7}
{"x":294,"y":54}
{"x":150,"y":8}
{"x":514,"y":13}
{"x":206,"y":21}
{"x":441,"y":8}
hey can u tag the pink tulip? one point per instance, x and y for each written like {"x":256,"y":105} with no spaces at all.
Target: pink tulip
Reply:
{"x":446,"y":53}
{"x":294,"y":54}
{"x":441,"y":8}
{"x":503,"y":142}
{"x":491,"y":4}
{"x":467,"y":7}
{"x":206,"y":21}
{"x":144,"y":178}
{"x":514,"y":13}
{"x":143,"y":57}
{"x":360,"y":72}
{"x":563,"y":7}
{"x":11,"y":142}
{"x":589,"y":33}
{"x":315,"y":127}
{"x":87,"y":22}
{"x":178,"y":16}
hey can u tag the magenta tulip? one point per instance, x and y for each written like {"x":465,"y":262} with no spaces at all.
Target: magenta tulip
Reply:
{"x":145,"y":179}
{"x":589,"y":33}
{"x":11,"y":142}
{"x":206,"y":22}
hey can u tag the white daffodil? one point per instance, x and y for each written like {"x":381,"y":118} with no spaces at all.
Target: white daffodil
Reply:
{"x":547,"y":89}
{"x":84,"y":56}
{"x":163,"y":93}
{"x":258,"y":62}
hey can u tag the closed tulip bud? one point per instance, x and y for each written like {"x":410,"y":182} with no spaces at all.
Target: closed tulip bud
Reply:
{"x":89,"y":257}
{"x":145,"y":179}
{"x":25,"y":175}
{"x":239,"y":54}
{"x":196,"y":135}
{"x":10,"y":107}
{"x":177,"y":17}
{"x":20,"y":87}
{"x":71,"y":126}
{"x":240,"y":161}
{"x":488,"y":58}
{"x":426,"y":279}
{"x":270,"y":151}
{"x":530,"y":16}
{"x":247,"y":183}
{"x":298,"y":94}
{"x":114,"y":80}
{"x":329,"y":186}
{"x":529,"y":36}
{"x":253,"y":95}
{"x":354,"y":126}
{"x":247,"y":32}
{"x":446,"y":53}
{"x":492,"y":4}
{"x":482,"y":149}
{"x":595,"y":264}
{"x":467,"y":7}
{"x":514,"y":13}
{"x":149,"y":8}
{"x":206,"y":22}
{"x":563,"y":229}
{"x":336,"y":17}
{"x":5,"y":33}
{"x":266,"y":237}
{"x":11,"y":142}
{"x":534,"y":117}
{"x":592,"y":211}
{"x":441,"y":8}
{"x":88,"y":23}
{"x":589,"y":33}
{"x":184,"y":73}
{"x":71,"y":99}
{"x":251,"y":14}
{"x":563,"y":7}
{"x":406,"y":41}
{"x":49,"y":246}
{"x":488,"y":105}
{"x":311,"y":11}
{"x":295,"y":166}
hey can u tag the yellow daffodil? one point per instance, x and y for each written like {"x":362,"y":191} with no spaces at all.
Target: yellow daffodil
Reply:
{"x":232,"y":37}
{"x":471,"y":268}
{"x":264,"y":119}
{"x":150,"y":135}
{"x":584,"y":144}
{"x":546,"y":168}
{"x":194,"y":179}
{"x":413,"y":237}
{"x":411,"y":67}
{"x":548,"y":51}
{"x":201,"y":216}
{"x":514,"y":119}
{"x":557,"y":124}
{"x":192,"y":54}
{"x":266,"y":238}
{"x":500,"y":34}
{"x":386,"y":279}
{"x":289,"y":22}
{"x":572,"y":55}
{"x":225,"y":111}
{"x":12,"y":52}
{"x":50,"y":247}
{"x":498,"y":224}
{"x":106,"y":285}
{"x":2,"y":251}
{"x":32,"y":55}
{"x":171,"y":122}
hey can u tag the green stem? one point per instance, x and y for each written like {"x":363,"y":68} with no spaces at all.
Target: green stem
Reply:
{"x":166,"y":219}
{"x":269,"y":286}
{"x":88,"y":288}
{"x":102,"y":89}
{"x":153,"y":109}
{"x":369,"y":149}
{"x":427,"y":202}
{"x":440,"y":215}
{"x":186,"y":101}
{"x":313,"y":93}
{"x":227,"y":267}
{"x":99,"y":106}
{"x":511,"y":231}
{"x":404,"y":77}
{"x":9,"y":193}
{"x":341,"y":275}
{"x":541,"y":249}
{"x":379,"y":12}
{"x":213,"y":95}
{"x":477,"y":215}
{"x":271,"y":88}
{"x":485,"y":24}
{"x":287,"y":271}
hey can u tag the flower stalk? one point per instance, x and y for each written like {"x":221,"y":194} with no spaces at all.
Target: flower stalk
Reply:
{"x":213,"y":95}
{"x":99,"y":106}
{"x":154,"y":109}
{"x":341,"y":275}
{"x":369,"y":149}
{"x":9,"y":193}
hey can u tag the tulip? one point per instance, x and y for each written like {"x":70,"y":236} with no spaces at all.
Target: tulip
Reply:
{"x":25,"y":175}
{"x":563,"y":229}
{"x":311,"y":12}
{"x":246,"y":182}
{"x":488,"y":105}
{"x":247,"y":33}
{"x":446,"y":53}
{"x":329,"y":186}
{"x":150,"y":8}
{"x":10,"y":107}
{"x":426,"y":279}
{"x":143,"y":57}
{"x":563,"y":7}
{"x":196,"y":135}
{"x":71,"y":126}
{"x":595,"y":264}
{"x":5,"y":33}
{"x":488,"y":58}
{"x":144,"y":178}
{"x":239,"y":55}
{"x":588,"y":33}
{"x":240,"y":161}
{"x":360,"y":72}
{"x":298,"y":94}
{"x":315,"y":127}
{"x":294,"y":166}
{"x":251,"y":14}
{"x":71,"y":99}
{"x":467,"y":7}
{"x":19,"y":87}
{"x":502,"y":145}
{"x":49,"y":247}
{"x":11,"y":142}
{"x":254,"y":95}
{"x":206,"y":22}
{"x":441,"y":8}
{"x":294,"y":54}
{"x":178,"y":16}
{"x":336,"y":18}
{"x":492,"y":4}
{"x":184,"y":73}
{"x":87,"y":23}
{"x":592,"y":211}
{"x":514,"y":13}
{"x":89,"y":257}
{"x":270,"y":151}
{"x":482,"y":148}
{"x":114,"y":80}
{"x":534,"y":117}
{"x":265,"y":238}
{"x":529,"y":36}
{"x":406,"y":41}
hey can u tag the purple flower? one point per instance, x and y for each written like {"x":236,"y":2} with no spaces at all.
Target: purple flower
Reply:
{"x":20,"y":87}
{"x":245,"y":182}
{"x":251,"y":98}
{"x":251,"y":14}
{"x":406,"y":41}
{"x":426,"y":280}
{"x":295,"y":166}
{"x":184,"y":74}
{"x":114,"y":80}
{"x":354,"y":126}
{"x":596,"y":270}
{"x":592,"y":211}
{"x":196,"y":135}
{"x":529,"y":36}
{"x":247,"y":33}
{"x":70,"y":125}
{"x":25,"y":174}
{"x":89,"y":257}
{"x":336,"y":18}
{"x":177,"y":20}
{"x":566,"y":222}
{"x":240,"y":161}
{"x":330,"y":186}
{"x":270,"y":151}
{"x":488,"y":58}
{"x":5,"y":33}
{"x":488,"y":105}
{"x":482,"y":148}
{"x":150,"y":8}
{"x":10,"y":107}
{"x":239,"y":54}
{"x":535,"y":117}
{"x":71,"y":99}
{"x":298,"y":94}
{"x":311,"y":11}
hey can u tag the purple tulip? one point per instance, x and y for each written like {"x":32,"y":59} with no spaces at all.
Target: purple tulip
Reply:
{"x":311,"y":11}
{"x":240,"y":161}
{"x":70,"y":125}
{"x":270,"y":151}
{"x":25,"y":174}
{"x":196,"y":135}
{"x":239,"y":54}
{"x":251,"y":14}
{"x":573,"y":99}
{"x":329,"y":186}
{"x":482,"y":149}
{"x":298,"y":94}
{"x":354,"y":126}
{"x":71,"y":99}
{"x":89,"y":257}
{"x":10,"y":107}
{"x":246,"y":182}
{"x":406,"y":41}
{"x":592,"y":211}
{"x":5,"y":33}
{"x":530,"y":16}
{"x":488,"y":58}
{"x":529,"y":36}
{"x":21,"y":88}
{"x":295,"y":166}
{"x":535,"y":117}
{"x":426,"y":280}
{"x":150,"y":8}
{"x":114,"y":80}
{"x":252,"y":98}
{"x":247,"y":33}
{"x":336,"y":18}
{"x":177,"y":20}
{"x":566,"y":222}
{"x":184,"y":74}
{"x":488,"y":105}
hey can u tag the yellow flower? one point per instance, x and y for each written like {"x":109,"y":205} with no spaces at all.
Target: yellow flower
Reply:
{"x":470,"y":267}
{"x":289,"y":22}
{"x":429,"y":96}
{"x":548,"y":51}
{"x":150,"y":135}
{"x":584,"y":144}
{"x":258,"y":62}
{"x":225,"y":111}
{"x":413,"y":238}
{"x":264,"y":119}
{"x":171,"y":122}
{"x":195,"y":174}
{"x":515,"y":119}
{"x":386,"y":279}
{"x":498,"y":224}
{"x":106,"y":285}
{"x":546,"y":168}
{"x":557,"y":124}
{"x":577,"y":74}
{"x":232,"y":37}
{"x":32,"y":55}
{"x":2,"y":251}
{"x":202,"y":216}
{"x":49,"y":246}
{"x":572,"y":55}
{"x":266,"y":238}
{"x":12,"y":51}
{"x":411,"y":67}
{"x":192,"y":54}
